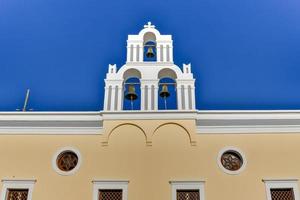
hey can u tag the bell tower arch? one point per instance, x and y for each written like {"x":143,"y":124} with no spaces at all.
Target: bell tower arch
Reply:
{"x":149,"y":60}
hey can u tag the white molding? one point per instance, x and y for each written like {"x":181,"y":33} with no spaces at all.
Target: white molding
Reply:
{"x":189,"y":185}
{"x":150,"y":115}
{"x":207,"y":122}
{"x":247,"y":121}
{"x":110,"y":184}
{"x":52,"y":123}
{"x":58,"y":152}
{"x":283,"y":183}
{"x":50,"y":116}
{"x":254,"y":129}
{"x":279,"y":179}
{"x":238,"y":151}
{"x":17,"y":184}
{"x":50,"y":131}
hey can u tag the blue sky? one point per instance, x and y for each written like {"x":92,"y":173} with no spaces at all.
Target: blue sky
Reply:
{"x":244,"y":54}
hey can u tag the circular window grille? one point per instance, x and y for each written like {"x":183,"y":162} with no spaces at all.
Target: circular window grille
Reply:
{"x":67,"y":161}
{"x":231,"y":160}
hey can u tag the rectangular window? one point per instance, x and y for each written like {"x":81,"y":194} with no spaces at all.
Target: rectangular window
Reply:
{"x":282,"y":189}
{"x":187,"y":190}
{"x":110,"y":194}
{"x":17,"y":189}
{"x":282,"y":194}
{"x":17,"y":194}
{"x":188,"y":195}
{"x":110,"y":190}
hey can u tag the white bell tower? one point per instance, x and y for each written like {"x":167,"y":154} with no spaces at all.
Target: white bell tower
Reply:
{"x":149,"y":59}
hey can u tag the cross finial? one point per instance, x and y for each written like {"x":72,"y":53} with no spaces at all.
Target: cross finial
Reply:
{"x":149,"y":25}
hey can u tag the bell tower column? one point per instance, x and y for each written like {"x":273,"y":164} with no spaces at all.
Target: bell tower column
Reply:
{"x":141,"y":53}
{"x":179,"y":96}
{"x":149,"y":94}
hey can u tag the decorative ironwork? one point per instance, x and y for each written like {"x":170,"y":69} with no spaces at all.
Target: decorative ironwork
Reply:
{"x":67,"y":161}
{"x":110,"y":194}
{"x":231,"y":160}
{"x":17,"y":194}
{"x":188,"y":195}
{"x":282,"y":194}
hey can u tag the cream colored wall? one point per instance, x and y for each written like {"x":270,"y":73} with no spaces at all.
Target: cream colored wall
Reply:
{"x":150,"y":161}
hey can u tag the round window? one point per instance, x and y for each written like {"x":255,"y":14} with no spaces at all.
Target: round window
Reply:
{"x":66,"y":161}
{"x":231,"y":160}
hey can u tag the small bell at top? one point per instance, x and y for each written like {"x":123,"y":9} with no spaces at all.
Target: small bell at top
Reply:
{"x":164,"y":91}
{"x":150,"y":52}
{"x":131,"y":94}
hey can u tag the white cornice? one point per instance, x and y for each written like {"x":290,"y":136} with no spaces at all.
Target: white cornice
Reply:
{"x":248,"y":121}
{"x":53,"y":123}
{"x":150,"y":115}
{"x":207,"y":122}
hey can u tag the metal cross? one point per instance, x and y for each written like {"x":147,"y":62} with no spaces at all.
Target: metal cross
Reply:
{"x":149,"y":25}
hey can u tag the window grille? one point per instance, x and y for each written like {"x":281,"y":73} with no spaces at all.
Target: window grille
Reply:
{"x":67,"y":161}
{"x":110,"y":194}
{"x":188,"y":195}
{"x":282,"y":194}
{"x":17,"y":194}
{"x":231,"y":161}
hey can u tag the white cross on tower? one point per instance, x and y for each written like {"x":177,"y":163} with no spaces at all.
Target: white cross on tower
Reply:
{"x":149,"y":25}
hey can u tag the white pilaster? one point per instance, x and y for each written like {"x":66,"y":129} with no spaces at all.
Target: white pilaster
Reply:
{"x":134,"y":53}
{"x":193,"y":98}
{"x":156,"y":97}
{"x":105,"y":98}
{"x":149,"y":97}
{"x":186,"y":97}
{"x":164,"y":53}
{"x":128,"y":53}
{"x":171,"y":53}
{"x":179,"y":102}
{"x":141,"y":53}
{"x":158,"y":50}
{"x":113,"y":98}
{"x":142,"y":96}
{"x":120,"y":99}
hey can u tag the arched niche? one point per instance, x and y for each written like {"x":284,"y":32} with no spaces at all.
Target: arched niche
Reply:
{"x":168,"y":78}
{"x":149,"y":36}
{"x":180,"y":135}
{"x":170,"y":102}
{"x":132,"y":73}
{"x":132,"y":85}
{"x":131,"y":77}
{"x":167,"y":73}
{"x":150,"y":47}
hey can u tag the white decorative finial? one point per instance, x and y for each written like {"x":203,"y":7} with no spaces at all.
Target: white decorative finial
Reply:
{"x":149,"y":25}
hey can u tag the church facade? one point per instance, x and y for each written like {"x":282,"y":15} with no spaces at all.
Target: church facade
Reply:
{"x":150,"y":141}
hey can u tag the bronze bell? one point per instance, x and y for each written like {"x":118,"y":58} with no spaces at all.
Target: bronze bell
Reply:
{"x":164,"y":91}
{"x":131,"y":94}
{"x":150,"y":52}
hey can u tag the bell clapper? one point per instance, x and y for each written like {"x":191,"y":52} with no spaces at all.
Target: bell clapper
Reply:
{"x":165,"y":103}
{"x":131,"y":101}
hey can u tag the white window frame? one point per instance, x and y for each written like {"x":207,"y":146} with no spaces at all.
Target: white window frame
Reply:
{"x":110,"y":185}
{"x":17,"y":184}
{"x":281,"y":184}
{"x":187,"y":185}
